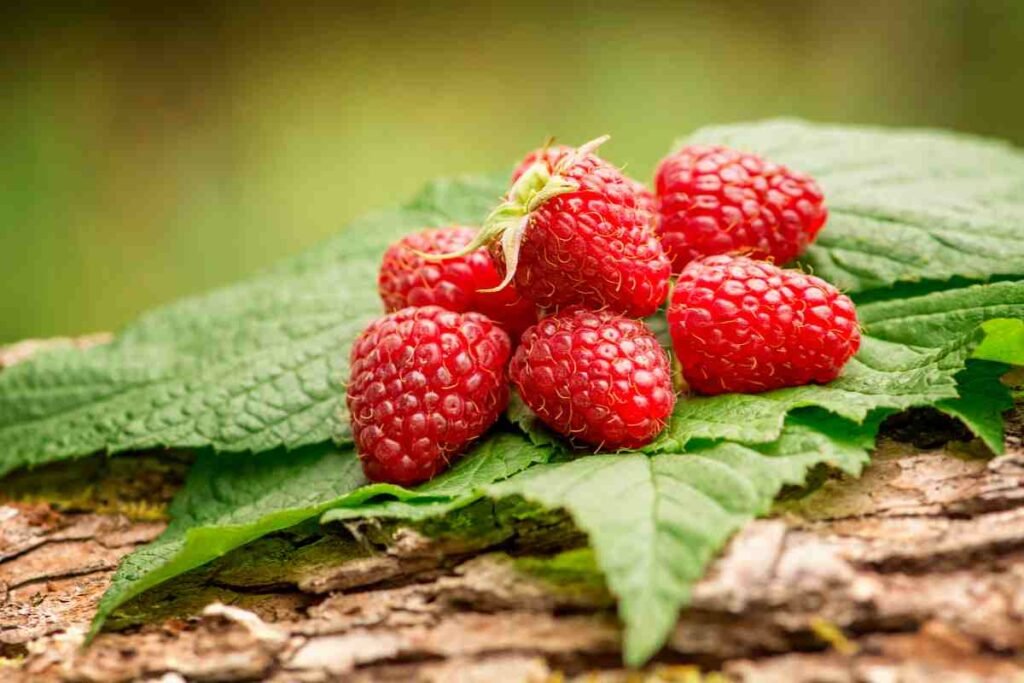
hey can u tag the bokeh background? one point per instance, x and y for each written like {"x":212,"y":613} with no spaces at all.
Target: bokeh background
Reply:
{"x":151,"y":152}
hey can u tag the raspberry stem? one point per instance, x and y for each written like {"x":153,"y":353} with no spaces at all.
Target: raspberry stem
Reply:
{"x":509,"y":221}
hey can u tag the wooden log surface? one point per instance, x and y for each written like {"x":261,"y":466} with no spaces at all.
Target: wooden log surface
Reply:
{"x":914,"y":572}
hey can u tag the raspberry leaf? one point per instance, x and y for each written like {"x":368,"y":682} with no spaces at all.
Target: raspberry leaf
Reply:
{"x":904,"y":205}
{"x":673,"y":512}
{"x":982,"y":401}
{"x":1004,"y":341}
{"x":227,"y":501}
{"x":232,"y":499}
{"x":251,"y":367}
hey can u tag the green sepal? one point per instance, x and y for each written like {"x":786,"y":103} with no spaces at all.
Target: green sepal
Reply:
{"x":509,"y":221}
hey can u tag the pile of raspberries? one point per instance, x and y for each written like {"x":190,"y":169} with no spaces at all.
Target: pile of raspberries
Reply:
{"x":551,"y":291}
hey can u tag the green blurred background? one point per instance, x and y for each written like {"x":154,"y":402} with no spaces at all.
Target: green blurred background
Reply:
{"x":148,"y":153}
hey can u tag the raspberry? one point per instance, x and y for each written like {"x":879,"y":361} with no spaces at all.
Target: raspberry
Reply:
{"x":574,"y":233}
{"x":715,"y":200}
{"x":749,"y":326}
{"x":407,"y":279}
{"x":596,"y":377}
{"x":424,"y":383}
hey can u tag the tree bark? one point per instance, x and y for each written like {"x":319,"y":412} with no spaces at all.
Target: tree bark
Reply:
{"x":914,"y":572}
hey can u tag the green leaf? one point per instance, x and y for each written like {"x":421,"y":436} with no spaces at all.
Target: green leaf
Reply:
{"x":942,"y":317}
{"x":251,"y":367}
{"x":904,"y":205}
{"x":231,"y":499}
{"x":497,"y":458}
{"x":227,"y":501}
{"x":913,"y":354}
{"x":656,"y":522}
{"x":938,"y":318}
{"x":983,"y":400}
{"x":1003,"y":342}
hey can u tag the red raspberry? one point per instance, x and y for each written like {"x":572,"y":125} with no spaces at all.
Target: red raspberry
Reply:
{"x":748,"y":326}
{"x":407,"y":279}
{"x":596,"y":377}
{"x":715,"y":200}
{"x":424,"y":383}
{"x":573,"y":233}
